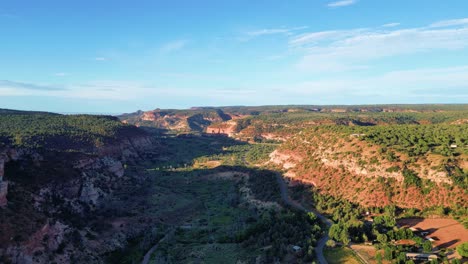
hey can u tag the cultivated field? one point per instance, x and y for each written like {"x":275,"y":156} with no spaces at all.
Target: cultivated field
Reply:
{"x":341,"y":255}
{"x":447,"y":233}
{"x":368,"y":253}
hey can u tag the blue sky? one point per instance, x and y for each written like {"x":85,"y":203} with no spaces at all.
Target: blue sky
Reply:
{"x":121,"y":56}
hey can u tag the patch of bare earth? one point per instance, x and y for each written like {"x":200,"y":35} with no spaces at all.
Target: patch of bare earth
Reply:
{"x":447,"y":233}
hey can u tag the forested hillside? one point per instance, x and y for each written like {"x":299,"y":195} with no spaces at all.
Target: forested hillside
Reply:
{"x":64,"y":132}
{"x":406,"y":165}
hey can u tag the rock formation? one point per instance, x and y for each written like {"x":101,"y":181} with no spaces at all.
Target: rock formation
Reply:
{"x":63,"y":189}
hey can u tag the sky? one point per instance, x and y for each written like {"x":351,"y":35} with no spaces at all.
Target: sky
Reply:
{"x":120,"y":56}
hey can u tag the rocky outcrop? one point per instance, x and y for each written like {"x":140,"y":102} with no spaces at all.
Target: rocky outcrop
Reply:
{"x":108,"y":158}
{"x":6,"y":155}
{"x":127,"y":148}
{"x":179,"y":120}
{"x":228,"y":128}
{"x":353,"y":169}
{"x":3,"y":193}
{"x":47,"y":239}
{"x":3,"y":184}
{"x":67,"y":189}
{"x":285,"y":160}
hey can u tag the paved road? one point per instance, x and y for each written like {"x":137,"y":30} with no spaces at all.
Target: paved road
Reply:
{"x":321,"y":243}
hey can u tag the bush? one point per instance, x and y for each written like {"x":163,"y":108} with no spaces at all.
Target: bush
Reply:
{"x":462,"y":249}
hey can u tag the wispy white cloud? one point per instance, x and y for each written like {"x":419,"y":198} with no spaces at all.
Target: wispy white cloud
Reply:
{"x":429,"y":81}
{"x":273,"y":31}
{"x":341,"y":50}
{"x":174,"y":46}
{"x":327,"y":36}
{"x":394,"y":24}
{"x":431,"y":85}
{"x":342,"y":3}
{"x":194,"y":76}
{"x":130,"y":91}
{"x":6,"y":15}
{"x":450,"y":23}
{"x":416,"y":86}
{"x":104,"y":90}
{"x":274,"y":57}
{"x":61,"y":74}
{"x":13,"y":85}
{"x":101,"y":59}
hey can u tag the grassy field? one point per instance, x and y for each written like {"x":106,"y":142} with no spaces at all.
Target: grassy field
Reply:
{"x":368,"y":253}
{"x":341,"y":255}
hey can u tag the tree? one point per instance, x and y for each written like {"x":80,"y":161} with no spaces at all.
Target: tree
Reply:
{"x":409,"y":233}
{"x":378,"y":258}
{"x":365,"y":238}
{"x":402,"y":257}
{"x":335,"y":231}
{"x":331,"y":243}
{"x":382,"y":238}
{"x":345,"y":238}
{"x":388,"y":253}
{"x":462,"y":249}
{"x":427,"y":246}
{"x":310,"y":253}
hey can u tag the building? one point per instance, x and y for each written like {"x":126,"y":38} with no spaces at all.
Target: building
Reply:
{"x":421,"y":256}
{"x":357,"y":135}
{"x":296,"y":249}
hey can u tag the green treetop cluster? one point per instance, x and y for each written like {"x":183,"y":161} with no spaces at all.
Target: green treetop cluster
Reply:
{"x":64,"y":132}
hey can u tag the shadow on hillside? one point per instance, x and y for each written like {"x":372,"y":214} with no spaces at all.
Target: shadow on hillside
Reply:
{"x":449,"y":243}
{"x":205,"y":206}
{"x":171,"y":195}
{"x":183,"y":149}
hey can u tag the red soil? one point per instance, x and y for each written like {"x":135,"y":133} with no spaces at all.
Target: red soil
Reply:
{"x":447,"y":233}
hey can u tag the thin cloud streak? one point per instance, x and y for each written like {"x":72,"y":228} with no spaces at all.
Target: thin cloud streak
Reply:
{"x":342,"y":3}
{"x":407,"y":85}
{"x":61,"y":74}
{"x":272,"y":31}
{"x":101,"y":59}
{"x":342,"y":50}
{"x":395,"y":24}
{"x":316,"y":37}
{"x":450,"y":23}
{"x":6,"y":15}
{"x":6,"y":84}
{"x":396,"y":86}
{"x":174,"y":46}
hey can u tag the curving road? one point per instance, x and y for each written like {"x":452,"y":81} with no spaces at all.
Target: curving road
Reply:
{"x":285,"y":197}
{"x":148,"y":254}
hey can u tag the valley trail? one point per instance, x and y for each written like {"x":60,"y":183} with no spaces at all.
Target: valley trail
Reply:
{"x":285,"y":197}
{"x":148,"y":254}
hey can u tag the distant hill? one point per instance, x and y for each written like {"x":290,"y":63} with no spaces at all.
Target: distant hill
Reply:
{"x":233,"y":119}
{"x":11,"y":111}
{"x":178,"y":120}
{"x":52,"y":131}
